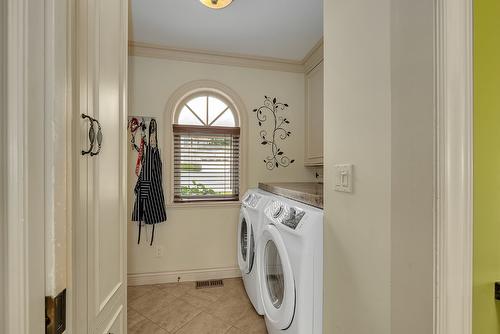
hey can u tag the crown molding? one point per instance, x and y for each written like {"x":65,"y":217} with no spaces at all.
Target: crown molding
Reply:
{"x":229,"y":59}
{"x":211,"y":57}
{"x":313,"y":57}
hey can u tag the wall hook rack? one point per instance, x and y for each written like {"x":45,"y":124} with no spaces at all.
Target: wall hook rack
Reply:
{"x":136,"y":123}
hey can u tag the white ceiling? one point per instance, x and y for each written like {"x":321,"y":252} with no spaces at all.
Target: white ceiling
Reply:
{"x":286,"y":29}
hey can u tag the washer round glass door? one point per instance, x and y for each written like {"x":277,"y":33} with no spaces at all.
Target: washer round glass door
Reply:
{"x":246,"y":243}
{"x":276,"y":276}
{"x":275,"y":280}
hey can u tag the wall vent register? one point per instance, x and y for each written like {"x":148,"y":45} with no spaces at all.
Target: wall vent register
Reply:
{"x":218,"y":283}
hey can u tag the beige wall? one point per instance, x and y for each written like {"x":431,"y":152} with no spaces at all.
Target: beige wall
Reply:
{"x":205,"y":237}
{"x":412,"y":132}
{"x":379,"y":112}
{"x":357,"y":119}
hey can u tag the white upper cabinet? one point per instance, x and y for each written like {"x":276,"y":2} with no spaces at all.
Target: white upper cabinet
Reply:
{"x":314,"y":117}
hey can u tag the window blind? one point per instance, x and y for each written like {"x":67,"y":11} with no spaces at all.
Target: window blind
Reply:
{"x":206,"y":163}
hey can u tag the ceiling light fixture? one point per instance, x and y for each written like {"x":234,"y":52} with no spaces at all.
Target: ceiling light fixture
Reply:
{"x":216,"y":4}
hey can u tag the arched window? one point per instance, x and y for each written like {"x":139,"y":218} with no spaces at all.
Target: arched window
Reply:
{"x":206,"y":149}
{"x":207,"y":110}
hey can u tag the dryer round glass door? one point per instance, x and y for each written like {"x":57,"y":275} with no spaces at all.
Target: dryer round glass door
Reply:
{"x":246,"y":244}
{"x":276,"y":276}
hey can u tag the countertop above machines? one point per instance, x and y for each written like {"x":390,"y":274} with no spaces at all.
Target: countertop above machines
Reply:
{"x":310,"y":193}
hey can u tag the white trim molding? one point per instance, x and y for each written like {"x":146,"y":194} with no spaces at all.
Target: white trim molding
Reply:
{"x":211,"y":57}
{"x":142,"y":49}
{"x":17,"y":253}
{"x":183,"y":276}
{"x":314,"y":57}
{"x":31,"y":93}
{"x":453,"y":228}
{"x":3,"y":168}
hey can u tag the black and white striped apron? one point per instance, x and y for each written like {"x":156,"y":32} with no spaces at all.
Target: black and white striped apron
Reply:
{"x":149,"y":206}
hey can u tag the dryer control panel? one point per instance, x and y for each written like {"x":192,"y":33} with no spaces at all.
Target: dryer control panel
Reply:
{"x":252,"y":200}
{"x":281,"y":213}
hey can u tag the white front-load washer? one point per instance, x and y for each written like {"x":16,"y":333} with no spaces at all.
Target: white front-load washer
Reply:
{"x":249,"y":230}
{"x":290,"y":257}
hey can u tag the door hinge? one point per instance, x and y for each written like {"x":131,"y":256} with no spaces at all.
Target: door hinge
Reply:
{"x":55,"y":314}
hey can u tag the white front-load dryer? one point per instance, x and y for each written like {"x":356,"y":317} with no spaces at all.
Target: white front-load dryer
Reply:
{"x":249,"y":231}
{"x":290,"y":257}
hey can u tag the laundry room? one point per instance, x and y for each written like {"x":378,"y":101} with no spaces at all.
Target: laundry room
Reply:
{"x":224,"y":119}
{"x":249,"y":166}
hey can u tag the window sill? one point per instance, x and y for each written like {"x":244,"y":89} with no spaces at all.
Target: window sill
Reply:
{"x":204,"y":204}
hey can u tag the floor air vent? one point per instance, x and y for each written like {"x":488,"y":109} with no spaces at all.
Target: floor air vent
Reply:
{"x":209,"y":284}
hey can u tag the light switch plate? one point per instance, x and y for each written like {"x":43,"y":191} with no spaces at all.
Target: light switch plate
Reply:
{"x":343,"y":178}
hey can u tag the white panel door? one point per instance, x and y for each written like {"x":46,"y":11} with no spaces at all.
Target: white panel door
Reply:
{"x":100,"y":238}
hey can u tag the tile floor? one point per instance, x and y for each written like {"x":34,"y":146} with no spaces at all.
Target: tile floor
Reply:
{"x":180,"y":308}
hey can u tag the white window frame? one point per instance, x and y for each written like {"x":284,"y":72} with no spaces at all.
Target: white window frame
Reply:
{"x":205,"y":93}
{"x":175,"y":104}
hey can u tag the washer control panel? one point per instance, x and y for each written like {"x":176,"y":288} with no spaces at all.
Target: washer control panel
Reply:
{"x":280,"y":213}
{"x":293,"y":217}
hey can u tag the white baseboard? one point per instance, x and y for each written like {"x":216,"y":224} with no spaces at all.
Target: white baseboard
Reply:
{"x":185,"y":276}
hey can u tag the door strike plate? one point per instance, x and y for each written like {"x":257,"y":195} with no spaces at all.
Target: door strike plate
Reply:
{"x":55,"y":314}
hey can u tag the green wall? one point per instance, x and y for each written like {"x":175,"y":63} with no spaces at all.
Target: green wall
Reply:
{"x":486,"y":317}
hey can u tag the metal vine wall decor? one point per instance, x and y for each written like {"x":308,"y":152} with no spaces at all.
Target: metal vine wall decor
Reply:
{"x":271,"y":108}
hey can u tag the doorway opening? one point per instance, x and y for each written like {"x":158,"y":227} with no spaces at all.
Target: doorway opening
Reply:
{"x":199,"y":73}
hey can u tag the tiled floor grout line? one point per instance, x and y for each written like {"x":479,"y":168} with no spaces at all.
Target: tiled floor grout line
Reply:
{"x":154,"y":322}
{"x":147,"y":318}
{"x":178,"y":329}
{"x":187,"y":323}
{"x":158,"y":324}
{"x":224,"y":321}
{"x":192,"y":304}
{"x":213,"y":315}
